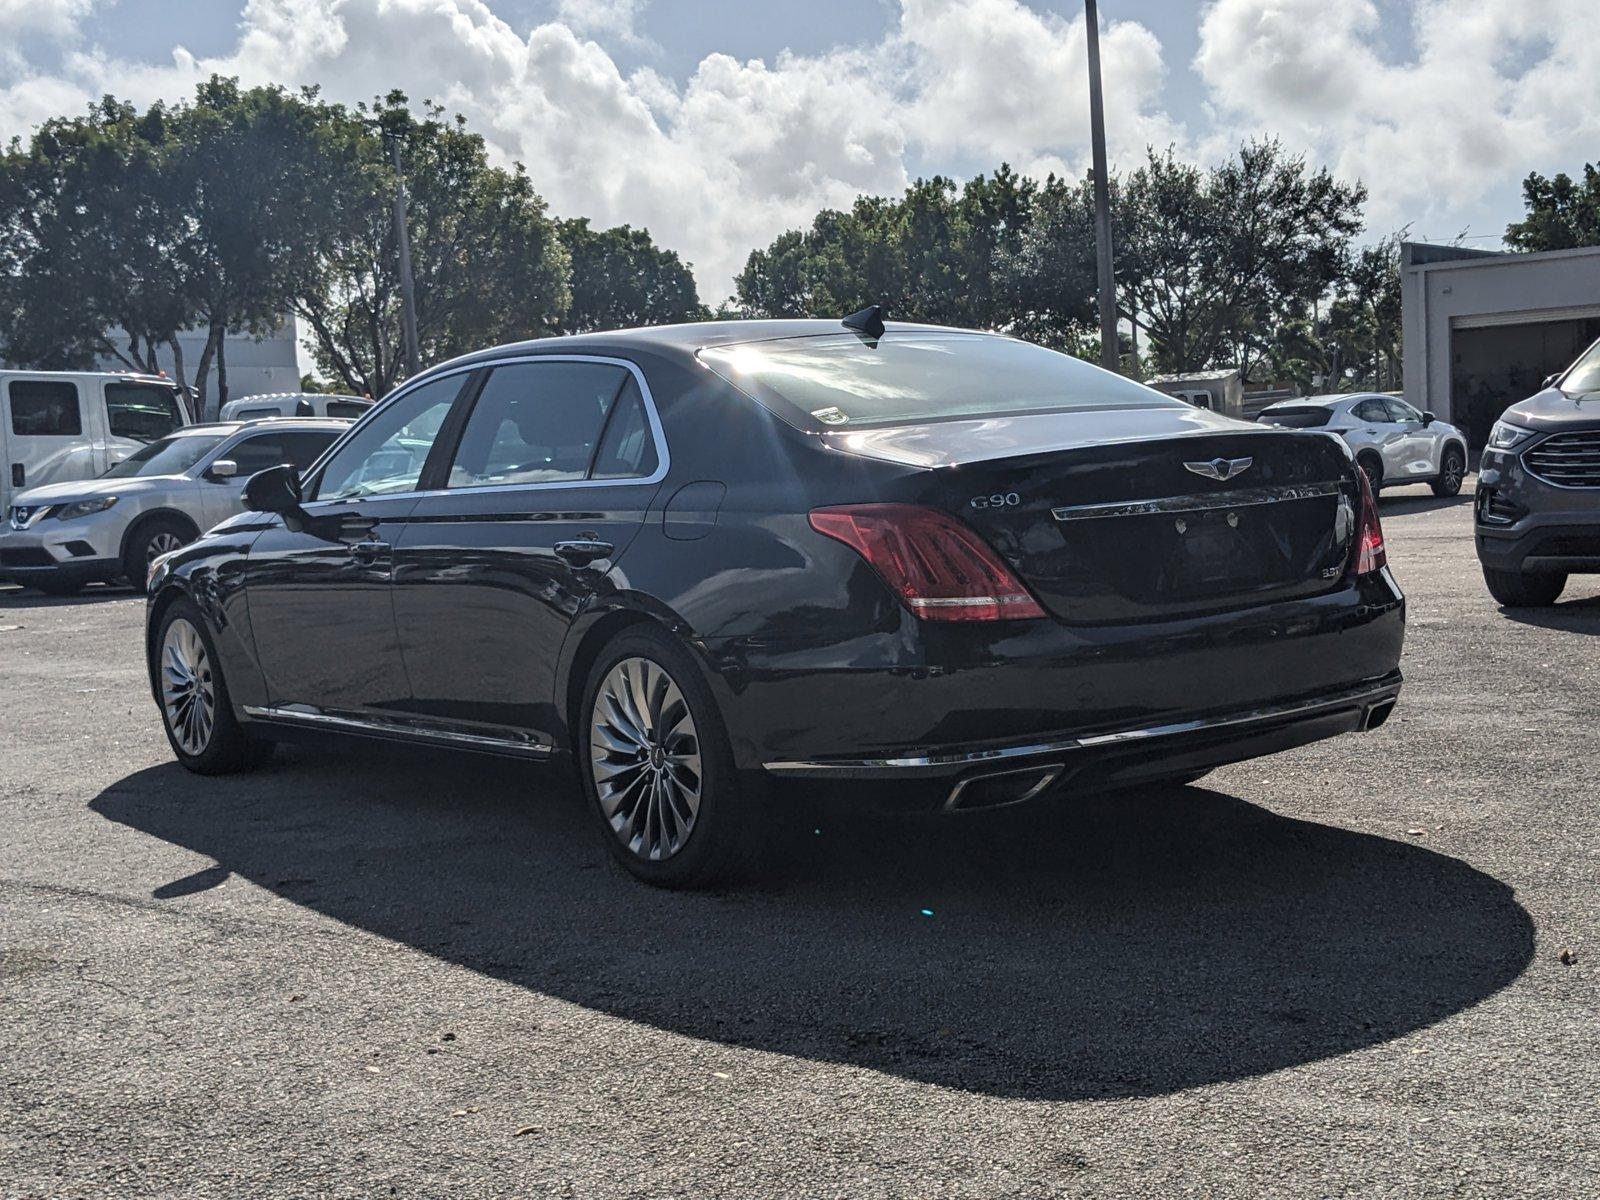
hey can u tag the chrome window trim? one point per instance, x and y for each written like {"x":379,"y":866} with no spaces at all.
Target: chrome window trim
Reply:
{"x":652,"y":414}
{"x":1198,"y":502}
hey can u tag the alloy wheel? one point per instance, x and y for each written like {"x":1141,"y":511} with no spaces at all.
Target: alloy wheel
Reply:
{"x":188,"y":691}
{"x":645,"y":754}
{"x":1454,"y":471}
{"x":160,"y":543}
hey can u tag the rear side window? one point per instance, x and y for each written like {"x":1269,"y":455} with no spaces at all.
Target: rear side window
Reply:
{"x":272,"y":449}
{"x":346,"y":408}
{"x":1297,"y":418}
{"x":1371,"y":410}
{"x":536,"y":423}
{"x":914,"y":376}
{"x":628,"y":448}
{"x":45,"y":408}
{"x":141,"y":411}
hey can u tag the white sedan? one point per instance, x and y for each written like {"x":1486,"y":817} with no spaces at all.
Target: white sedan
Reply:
{"x":1393,"y":442}
{"x":61,"y":536}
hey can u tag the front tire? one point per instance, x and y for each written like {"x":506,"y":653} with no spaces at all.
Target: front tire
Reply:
{"x":150,"y":541}
{"x":1524,"y":589}
{"x":195,"y":710}
{"x":657,"y":767}
{"x":1452,"y":470}
{"x":1372,"y":467}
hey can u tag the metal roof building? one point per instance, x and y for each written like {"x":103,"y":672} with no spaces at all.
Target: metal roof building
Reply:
{"x":1483,"y":329}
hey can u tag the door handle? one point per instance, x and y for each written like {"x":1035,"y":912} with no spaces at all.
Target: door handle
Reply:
{"x":580,"y":552}
{"x":369,"y":551}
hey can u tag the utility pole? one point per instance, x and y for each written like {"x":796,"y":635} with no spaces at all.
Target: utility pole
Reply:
{"x":1109,"y":358}
{"x":408,"y":298}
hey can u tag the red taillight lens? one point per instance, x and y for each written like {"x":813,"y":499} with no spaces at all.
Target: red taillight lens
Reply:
{"x":941,"y":569}
{"x":1370,"y":554}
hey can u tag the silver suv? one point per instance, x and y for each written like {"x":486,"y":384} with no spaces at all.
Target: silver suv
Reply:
{"x":1393,"y":442}
{"x":63,"y":535}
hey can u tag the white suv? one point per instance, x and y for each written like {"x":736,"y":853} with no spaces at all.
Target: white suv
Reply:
{"x":63,"y":535}
{"x":1393,"y":442}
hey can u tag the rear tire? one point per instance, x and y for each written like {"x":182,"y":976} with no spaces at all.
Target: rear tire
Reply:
{"x":1524,"y":589}
{"x":195,"y":710}
{"x":1452,"y":470}
{"x":150,"y":540}
{"x":657,"y":768}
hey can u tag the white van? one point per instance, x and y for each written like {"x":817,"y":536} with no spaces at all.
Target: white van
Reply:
{"x":63,"y":425}
{"x":294,"y":404}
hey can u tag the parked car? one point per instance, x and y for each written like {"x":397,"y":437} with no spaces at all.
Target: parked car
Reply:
{"x":1538,"y":499}
{"x":62,"y":425}
{"x":1393,"y":442}
{"x":710,"y":558}
{"x":294,"y":404}
{"x":63,"y":535}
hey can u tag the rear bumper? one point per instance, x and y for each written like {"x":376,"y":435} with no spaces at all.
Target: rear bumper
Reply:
{"x":1022,"y":689}
{"x":1178,"y":747}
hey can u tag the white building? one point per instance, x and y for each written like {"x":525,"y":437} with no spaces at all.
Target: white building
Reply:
{"x":255,"y":365}
{"x":1483,"y":329}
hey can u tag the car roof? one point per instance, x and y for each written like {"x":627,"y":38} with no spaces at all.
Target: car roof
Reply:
{"x":299,"y":396}
{"x":1326,"y":400}
{"x":226,"y":428}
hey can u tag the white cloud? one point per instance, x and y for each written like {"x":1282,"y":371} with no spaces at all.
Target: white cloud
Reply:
{"x":48,"y":18}
{"x":1490,"y":90}
{"x":714,"y":166}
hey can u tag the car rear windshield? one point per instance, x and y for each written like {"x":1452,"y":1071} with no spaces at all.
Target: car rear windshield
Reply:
{"x":905,"y":378}
{"x":1297,"y":418}
{"x":169,"y":456}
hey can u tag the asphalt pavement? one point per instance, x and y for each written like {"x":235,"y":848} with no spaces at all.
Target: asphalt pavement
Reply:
{"x":1365,"y":968}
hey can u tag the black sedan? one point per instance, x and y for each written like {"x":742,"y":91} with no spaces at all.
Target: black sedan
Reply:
{"x":719,"y":562}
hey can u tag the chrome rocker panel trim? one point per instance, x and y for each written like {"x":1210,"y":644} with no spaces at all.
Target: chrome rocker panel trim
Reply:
{"x":402,"y":730}
{"x":1202,"y":502}
{"x":933,"y":765}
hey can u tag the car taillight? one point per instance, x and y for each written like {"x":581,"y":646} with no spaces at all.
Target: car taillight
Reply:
{"x":1370,"y":554}
{"x":940,"y":569}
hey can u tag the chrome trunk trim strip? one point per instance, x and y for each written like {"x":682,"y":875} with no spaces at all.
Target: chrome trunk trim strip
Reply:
{"x":1241,"y":498}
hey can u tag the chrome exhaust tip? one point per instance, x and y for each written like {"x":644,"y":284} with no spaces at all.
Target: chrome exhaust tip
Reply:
{"x":1000,"y":789}
{"x":1378,"y":713}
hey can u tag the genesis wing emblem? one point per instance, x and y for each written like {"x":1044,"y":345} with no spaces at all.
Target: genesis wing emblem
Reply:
{"x":1220,"y":469}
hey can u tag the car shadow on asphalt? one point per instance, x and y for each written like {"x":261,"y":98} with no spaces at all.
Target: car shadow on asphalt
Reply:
{"x":1571,"y":616}
{"x":1391,"y":505}
{"x":1104,"y":947}
{"x":19,"y":599}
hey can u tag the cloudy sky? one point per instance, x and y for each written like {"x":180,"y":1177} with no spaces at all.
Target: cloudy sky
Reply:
{"x":718,"y":123}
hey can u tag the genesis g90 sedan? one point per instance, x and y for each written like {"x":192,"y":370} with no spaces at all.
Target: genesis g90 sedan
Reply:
{"x":723,"y":564}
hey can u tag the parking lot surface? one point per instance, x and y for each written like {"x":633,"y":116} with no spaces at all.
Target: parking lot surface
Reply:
{"x":1365,"y":968}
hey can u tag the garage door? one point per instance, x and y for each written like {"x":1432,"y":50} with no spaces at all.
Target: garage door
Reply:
{"x":1495,"y":361}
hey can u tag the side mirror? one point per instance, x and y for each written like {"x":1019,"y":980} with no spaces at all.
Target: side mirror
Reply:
{"x":275,"y":490}
{"x":1428,"y":419}
{"x":223,"y":468}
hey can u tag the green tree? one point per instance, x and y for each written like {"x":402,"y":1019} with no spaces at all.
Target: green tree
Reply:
{"x":488,"y":263}
{"x":91,"y":230}
{"x":1562,"y":213}
{"x":1212,"y":263}
{"x":942,"y":252}
{"x":621,"y":278}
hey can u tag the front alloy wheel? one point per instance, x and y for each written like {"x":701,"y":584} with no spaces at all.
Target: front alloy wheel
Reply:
{"x":195,"y":711}
{"x":645,"y":754}
{"x":188,"y":695}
